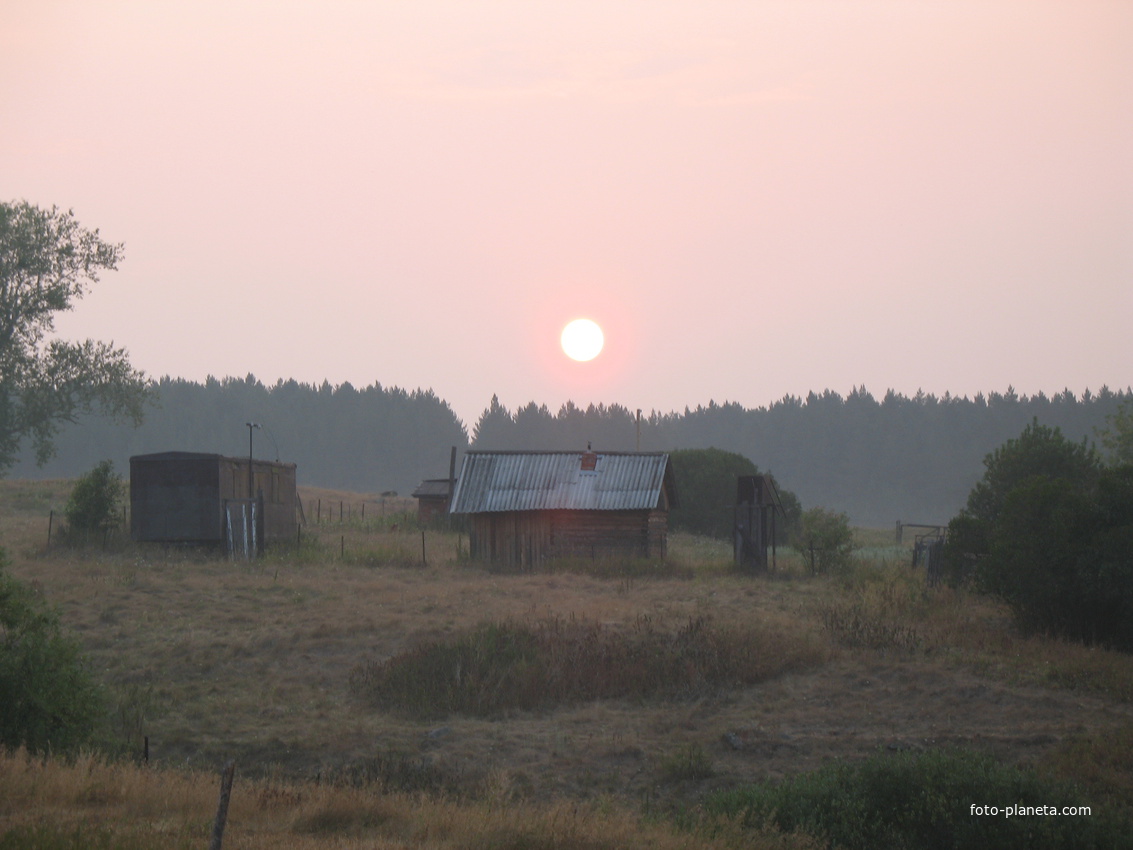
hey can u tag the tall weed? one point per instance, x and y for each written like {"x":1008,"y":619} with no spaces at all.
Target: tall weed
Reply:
{"x":537,"y":664}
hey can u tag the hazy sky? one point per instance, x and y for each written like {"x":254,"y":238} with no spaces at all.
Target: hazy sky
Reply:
{"x":752,"y":198}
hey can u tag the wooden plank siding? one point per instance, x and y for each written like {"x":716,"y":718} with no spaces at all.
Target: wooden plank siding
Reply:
{"x":526,"y":539}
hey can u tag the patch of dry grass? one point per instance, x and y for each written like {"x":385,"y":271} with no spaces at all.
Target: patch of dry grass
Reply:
{"x":136,"y":806}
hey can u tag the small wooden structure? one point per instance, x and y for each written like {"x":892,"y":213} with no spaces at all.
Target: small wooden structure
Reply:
{"x":523,"y":508}
{"x":756,"y":503}
{"x":193,"y":497}
{"x":432,"y":497}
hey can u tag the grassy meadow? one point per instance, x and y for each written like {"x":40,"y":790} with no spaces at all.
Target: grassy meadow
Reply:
{"x":376,"y":690}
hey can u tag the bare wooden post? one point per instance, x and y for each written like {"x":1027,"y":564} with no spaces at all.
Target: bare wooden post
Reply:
{"x":342,"y":548}
{"x":320,"y":513}
{"x":363,"y":512}
{"x":50,"y":522}
{"x":222,"y":805}
{"x":424,"y":563}
{"x":340,"y":510}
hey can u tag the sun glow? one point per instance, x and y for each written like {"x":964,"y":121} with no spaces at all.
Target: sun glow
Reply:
{"x":582,"y":340}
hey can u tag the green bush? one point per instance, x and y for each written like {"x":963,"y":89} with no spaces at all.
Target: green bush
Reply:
{"x":1049,"y":531}
{"x":48,"y":699}
{"x":1063,"y":559}
{"x":924,"y":801}
{"x":706,"y":493}
{"x":825,"y":540}
{"x":96,"y":502}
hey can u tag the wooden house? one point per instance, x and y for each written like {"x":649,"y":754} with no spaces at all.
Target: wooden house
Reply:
{"x":523,"y":508}
{"x":184,"y":497}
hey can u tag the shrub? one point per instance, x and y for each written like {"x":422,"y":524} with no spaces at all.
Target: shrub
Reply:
{"x":1063,"y":559}
{"x":706,"y":493}
{"x":48,"y":700}
{"x":96,"y":502}
{"x":826,"y":540}
{"x":510,"y":665}
{"x":923,"y":801}
{"x":1050,"y":532}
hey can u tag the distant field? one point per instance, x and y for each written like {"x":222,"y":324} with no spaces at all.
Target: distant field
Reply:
{"x":213,"y":660}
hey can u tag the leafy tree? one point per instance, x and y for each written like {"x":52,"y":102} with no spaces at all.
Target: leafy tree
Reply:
{"x":825,"y":539}
{"x":1062,"y":558}
{"x":705,"y":480}
{"x":47,"y":261}
{"x":1038,"y":451}
{"x":706,"y":491}
{"x":48,"y":699}
{"x":1050,"y":532}
{"x":96,"y":501}
{"x":1117,"y":437}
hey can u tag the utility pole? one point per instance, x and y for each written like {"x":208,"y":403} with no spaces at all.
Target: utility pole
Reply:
{"x":251,"y":479}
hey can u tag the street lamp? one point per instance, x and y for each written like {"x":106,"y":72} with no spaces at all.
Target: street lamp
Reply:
{"x":251,"y":481}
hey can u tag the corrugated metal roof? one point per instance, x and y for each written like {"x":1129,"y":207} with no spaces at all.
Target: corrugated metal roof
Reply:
{"x":541,"y":481}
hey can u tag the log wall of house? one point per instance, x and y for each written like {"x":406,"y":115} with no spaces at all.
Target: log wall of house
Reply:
{"x":528,"y":538}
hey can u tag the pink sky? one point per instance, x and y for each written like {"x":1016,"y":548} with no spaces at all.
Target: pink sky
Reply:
{"x":752,"y":198}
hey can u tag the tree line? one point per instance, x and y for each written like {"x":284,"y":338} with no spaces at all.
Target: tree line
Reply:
{"x":877,"y":460}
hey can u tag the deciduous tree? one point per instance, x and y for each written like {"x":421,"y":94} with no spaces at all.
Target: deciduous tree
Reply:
{"x":47,"y":262}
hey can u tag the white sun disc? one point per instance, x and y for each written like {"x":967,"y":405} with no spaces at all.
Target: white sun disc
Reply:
{"x":582,"y":340}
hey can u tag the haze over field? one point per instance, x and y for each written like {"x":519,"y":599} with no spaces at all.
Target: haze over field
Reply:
{"x":751,"y":198}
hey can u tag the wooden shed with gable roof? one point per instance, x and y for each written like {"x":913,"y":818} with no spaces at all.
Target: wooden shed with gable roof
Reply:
{"x":523,"y":507}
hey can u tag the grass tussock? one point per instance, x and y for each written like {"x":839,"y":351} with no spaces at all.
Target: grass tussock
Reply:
{"x":533,"y":665}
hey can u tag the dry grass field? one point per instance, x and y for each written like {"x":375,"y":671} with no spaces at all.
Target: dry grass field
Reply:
{"x":213,"y":660}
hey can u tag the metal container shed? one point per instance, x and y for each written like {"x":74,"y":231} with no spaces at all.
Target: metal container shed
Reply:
{"x":180,"y":497}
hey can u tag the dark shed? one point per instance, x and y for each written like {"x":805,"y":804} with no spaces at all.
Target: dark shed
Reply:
{"x":525,"y":507}
{"x":756,"y":505}
{"x":180,"y":497}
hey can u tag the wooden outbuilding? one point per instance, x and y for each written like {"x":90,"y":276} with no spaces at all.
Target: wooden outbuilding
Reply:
{"x":193,"y":497}
{"x":523,"y":508}
{"x":432,"y":497}
{"x":757,"y":502}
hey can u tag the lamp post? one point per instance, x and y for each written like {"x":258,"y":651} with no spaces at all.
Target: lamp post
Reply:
{"x":251,"y":480}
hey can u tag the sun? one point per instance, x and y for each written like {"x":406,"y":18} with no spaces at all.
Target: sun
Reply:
{"x":582,"y":340}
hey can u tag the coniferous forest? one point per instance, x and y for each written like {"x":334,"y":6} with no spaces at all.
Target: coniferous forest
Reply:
{"x":879,"y":460}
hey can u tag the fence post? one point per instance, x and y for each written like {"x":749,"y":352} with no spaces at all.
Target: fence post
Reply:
{"x":222,"y":805}
{"x":424,"y":563}
{"x":50,"y":522}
